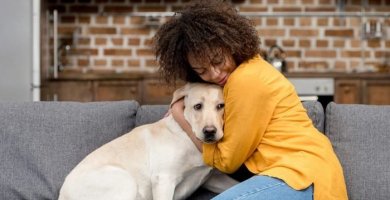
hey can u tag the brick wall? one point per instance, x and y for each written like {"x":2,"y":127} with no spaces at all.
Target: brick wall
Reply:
{"x":104,"y":35}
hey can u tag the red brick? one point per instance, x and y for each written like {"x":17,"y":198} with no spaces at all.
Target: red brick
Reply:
{"x":287,"y":9}
{"x":320,"y":54}
{"x":320,"y":9}
{"x":322,"y":43}
{"x":135,"y":31}
{"x":84,"y":19}
{"x":84,"y":41}
{"x":145,"y":52}
{"x":100,"y":62}
{"x":354,"y":54}
{"x":339,"y":22}
{"x":117,"y":52}
{"x":269,"y":32}
{"x":304,"y":43}
{"x":151,"y":63}
{"x":101,"y":19}
{"x":339,"y":33}
{"x":304,"y":32}
{"x":314,"y":65}
{"x":271,"y":21}
{"x":66,"y":30}
{"x":118,"y":9}
{"x":133,"y":63}
{"x":244,"y":9}
{"x":82,"y":62}
{"x":68,"y":19}
{"x":339,"y":43}
{"x":151,"y":8}
{"x":288,"y":43}
{"x":85,"y":51}
{"x":117,"y":62}
{"x":83,"y":9}
{"x":322,"y":21}
{"x":134,"y":42}
{"x":294,"y":53}
{"x":137,"y":20}
{"x":117,"y":41}
{"x":119,"y":20}
{"x":305,"y":21}
{"x":376,"y":43}
{"x":269,"y":42}
{"x":340,"y":65}
{"x":288,"y":22}
{"x":101,"y":30}
{"x":100,"y":41}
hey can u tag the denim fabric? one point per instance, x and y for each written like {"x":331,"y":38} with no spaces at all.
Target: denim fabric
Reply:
{"x":264,"y":187}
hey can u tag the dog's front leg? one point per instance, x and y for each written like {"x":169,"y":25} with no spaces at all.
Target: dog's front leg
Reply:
{"x":219,"y":182}
{"x":164,"y":186}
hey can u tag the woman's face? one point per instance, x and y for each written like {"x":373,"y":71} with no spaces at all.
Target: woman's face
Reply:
{"x":217,"y":70}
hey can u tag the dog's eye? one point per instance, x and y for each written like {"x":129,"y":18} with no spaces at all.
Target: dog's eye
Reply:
{"x":220,"y":106}
{"x":198,"y":106}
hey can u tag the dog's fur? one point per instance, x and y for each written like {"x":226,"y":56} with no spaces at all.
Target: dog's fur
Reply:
{"x":155,"y":161}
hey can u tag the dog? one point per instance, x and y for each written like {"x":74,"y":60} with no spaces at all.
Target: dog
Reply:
{"x":158,"y":160}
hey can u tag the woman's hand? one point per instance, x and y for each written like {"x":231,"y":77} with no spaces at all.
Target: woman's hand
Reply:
{"x":177,"y":110}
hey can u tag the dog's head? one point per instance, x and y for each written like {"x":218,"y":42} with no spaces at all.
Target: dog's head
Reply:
{"x":204,"y":107}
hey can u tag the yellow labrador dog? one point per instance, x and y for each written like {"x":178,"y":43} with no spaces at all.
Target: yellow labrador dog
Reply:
{"x":155,"y":161}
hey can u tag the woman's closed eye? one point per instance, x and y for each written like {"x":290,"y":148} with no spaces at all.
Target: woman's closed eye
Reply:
{"x":200,"y":71}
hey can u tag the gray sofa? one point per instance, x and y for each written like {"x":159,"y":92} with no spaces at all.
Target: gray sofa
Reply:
{"x":40,"y":142}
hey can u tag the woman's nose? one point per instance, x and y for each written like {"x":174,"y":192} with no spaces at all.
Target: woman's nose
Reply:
{"x":214,"y":73}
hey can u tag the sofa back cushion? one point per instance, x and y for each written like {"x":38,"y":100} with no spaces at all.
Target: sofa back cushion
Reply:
{"x":360,"y":135}
{"x":152,"y":113}
{"x":41,"y":142}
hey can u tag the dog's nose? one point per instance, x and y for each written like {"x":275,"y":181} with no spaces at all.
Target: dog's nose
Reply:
{"x":209,"y":132}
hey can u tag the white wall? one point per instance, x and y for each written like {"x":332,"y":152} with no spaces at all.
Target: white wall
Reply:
{"x":16,"y":58}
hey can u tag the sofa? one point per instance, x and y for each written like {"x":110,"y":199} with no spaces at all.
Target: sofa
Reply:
{"x":41,"y":142}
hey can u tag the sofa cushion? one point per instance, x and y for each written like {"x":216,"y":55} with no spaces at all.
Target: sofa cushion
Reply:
{"x":361,"y":138}
{"x":315,"y":111}
{"x":41,"y":142}
{"x":147,"y":114}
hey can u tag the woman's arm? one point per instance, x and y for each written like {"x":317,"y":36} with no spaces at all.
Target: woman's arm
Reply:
{"x":177,"y":110}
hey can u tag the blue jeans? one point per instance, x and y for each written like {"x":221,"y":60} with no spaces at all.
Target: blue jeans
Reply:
{"x":261,"y":187}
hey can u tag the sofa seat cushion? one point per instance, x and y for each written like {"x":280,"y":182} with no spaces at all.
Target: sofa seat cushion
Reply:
{"x":41,"y":142}
{"x":360,"y":135}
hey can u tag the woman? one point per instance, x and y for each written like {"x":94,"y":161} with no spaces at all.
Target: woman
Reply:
{"x":267,"y":131}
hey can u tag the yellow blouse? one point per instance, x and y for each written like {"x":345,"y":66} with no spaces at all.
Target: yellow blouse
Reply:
{"x":268,"y":129}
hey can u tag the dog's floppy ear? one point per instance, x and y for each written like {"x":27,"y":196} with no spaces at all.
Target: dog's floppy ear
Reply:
{"x":179,"y":94}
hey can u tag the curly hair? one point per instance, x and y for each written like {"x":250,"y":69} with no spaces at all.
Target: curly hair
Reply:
{"x":203,"y":29}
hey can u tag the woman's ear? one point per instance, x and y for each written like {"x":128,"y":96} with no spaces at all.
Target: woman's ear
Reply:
{"x":179,"y":94}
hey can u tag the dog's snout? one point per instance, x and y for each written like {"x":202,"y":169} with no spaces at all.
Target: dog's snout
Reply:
{"x":209,"y":133}
{"x":209,"y":130}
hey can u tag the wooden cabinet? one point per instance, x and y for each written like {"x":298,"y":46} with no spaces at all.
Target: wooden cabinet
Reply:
{"x":376,"y":92}
{"x":347,"y":91}
{"x":362,"y":91}
{"x":68,"y":91}
{"x":116,"y":90}
{"x":145,"y":91}
{"x":148,"y":89}
{"x":156,"y":92}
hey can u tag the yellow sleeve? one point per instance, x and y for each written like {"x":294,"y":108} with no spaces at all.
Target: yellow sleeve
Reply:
{"x":249,"y":105}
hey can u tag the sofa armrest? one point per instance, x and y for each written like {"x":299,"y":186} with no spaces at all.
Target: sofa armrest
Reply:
{"x":360,"y":135}
{"x":41,"y":142}
{"x":316,"y":113}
